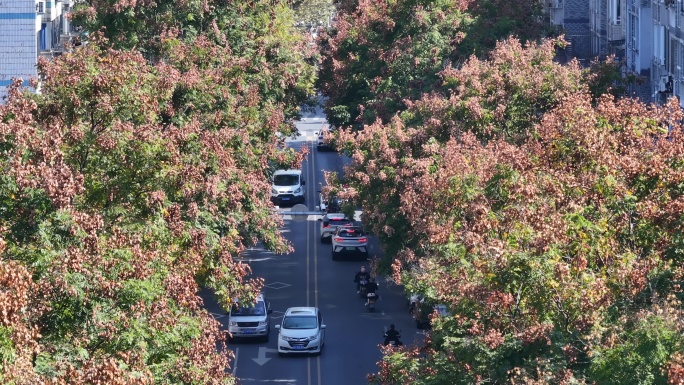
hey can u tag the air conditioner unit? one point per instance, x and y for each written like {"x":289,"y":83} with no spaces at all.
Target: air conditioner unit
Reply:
{"x":40,"y":7}
{"x":665,"y":84}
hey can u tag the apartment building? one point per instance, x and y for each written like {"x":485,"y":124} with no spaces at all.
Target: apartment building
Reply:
{"x":667,"y":58}
{"x":647,"y":35}
{"x":573,"y":16}
{"x":606,"y":18}
{"x":29,"y":29}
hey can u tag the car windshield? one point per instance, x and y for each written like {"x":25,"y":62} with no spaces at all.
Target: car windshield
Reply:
{"x":300,"y":322}
{"x":257,"y":310}
{"x":286,"y":180}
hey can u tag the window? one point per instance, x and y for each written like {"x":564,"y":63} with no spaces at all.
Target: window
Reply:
{"x":659,"y":44}
{"x":286,"y":180}
{"x":678,"y":70}
{"x":673,"y":55}
{"x":300,"y":322}
{"x":350,"y":232}
{"x":257,"y":310}
{"x":616,"y":11}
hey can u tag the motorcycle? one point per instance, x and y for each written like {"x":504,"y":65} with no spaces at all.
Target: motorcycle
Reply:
{"x":393,"y":342}
{"x":372,"y":297}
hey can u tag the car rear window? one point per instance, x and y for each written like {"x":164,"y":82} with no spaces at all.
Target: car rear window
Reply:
{"x":350,"y":232}
{"x":339,"y":221}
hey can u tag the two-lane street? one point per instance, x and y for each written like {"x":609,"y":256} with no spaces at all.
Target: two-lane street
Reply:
{"x":309,"y":277}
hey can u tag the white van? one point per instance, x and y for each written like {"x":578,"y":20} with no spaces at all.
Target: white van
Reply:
{"x":287,"y":187}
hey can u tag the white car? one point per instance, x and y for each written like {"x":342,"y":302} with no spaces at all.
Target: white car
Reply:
{"x":329,"y":205}
{"x":250,"y":321}
{"x":330,"y":222}
{"x":288,"y":187}
{"x":349,"y":241}
{"x":301,"y":331}
{"x":321,"y":144}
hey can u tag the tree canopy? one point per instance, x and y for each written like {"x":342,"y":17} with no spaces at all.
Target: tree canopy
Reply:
{"x":547,"y":219}
{"x":136,"y":176}
{"x":381,"y":54}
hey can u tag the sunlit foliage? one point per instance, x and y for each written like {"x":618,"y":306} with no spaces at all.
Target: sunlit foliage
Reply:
{"x":133,"y":179}
{"x":547,"y":220}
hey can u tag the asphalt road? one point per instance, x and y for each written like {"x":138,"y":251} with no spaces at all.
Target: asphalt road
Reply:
{"x":309,"y":277}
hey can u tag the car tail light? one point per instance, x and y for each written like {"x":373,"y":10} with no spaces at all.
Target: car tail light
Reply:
{"x":363,"y":240}
{"x":339,"y":239}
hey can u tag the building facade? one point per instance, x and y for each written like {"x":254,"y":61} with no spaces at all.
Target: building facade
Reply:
{"x":645,"y":35}
{"x":29,"y":29}
{"x":573,"y":17}
{"x":667,"y":40}
{"x":607,"y":27}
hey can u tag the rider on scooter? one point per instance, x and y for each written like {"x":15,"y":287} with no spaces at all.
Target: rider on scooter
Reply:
{"x":362,"y":275}
{"x":371,"y":287}
{"x":392,"y":335}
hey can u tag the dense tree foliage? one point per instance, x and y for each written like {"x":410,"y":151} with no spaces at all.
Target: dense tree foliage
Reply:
{"x":256,"y":35}
{"x":546,"y":219}
{"x":134,"y":178}
{"x":382,"y":53}
{"x":313,"y":12}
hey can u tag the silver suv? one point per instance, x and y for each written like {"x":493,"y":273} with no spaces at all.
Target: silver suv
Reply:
{"x":250,"y":321}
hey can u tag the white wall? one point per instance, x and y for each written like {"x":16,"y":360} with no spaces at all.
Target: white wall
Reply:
{"x":645,"y":38}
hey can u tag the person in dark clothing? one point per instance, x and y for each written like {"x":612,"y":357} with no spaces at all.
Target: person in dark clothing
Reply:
{"x":371,"y":287}
{"x":334,"y":205}
{"x":392,"y":335}
{"x":362,"y":275}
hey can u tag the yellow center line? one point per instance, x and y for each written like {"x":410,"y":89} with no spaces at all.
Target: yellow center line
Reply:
{"x":308,"y":259}
{"x":308,"y":263}
{"x":314,"y":240}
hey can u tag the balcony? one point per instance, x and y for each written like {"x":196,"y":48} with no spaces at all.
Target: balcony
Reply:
{"x":555,"y":11}
{"x":49,"y":10}
{"x":616,"y":31}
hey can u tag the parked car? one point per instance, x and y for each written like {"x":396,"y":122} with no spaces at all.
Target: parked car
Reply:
{"x":287,"y":187}
{"x":250,"y":321}
{"x":301,"y":331}
{"x":349,"y":241}
{"x":330,"y":223}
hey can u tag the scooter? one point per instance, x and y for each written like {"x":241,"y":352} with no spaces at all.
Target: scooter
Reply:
{"x":394,"y":342}
{"x":362,"y":289}
{"x":372,"y":297}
